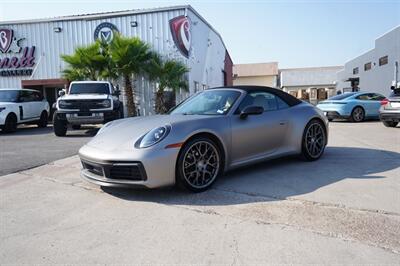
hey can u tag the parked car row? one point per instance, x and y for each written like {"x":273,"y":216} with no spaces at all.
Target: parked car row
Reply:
{"x":360,"y":106}
{"x":96,"y":102}
{"x":21,"y":106}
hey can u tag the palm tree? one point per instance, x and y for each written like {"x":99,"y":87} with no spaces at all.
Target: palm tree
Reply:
{"x":168,"y":74}
{"x":129,"y":56}
{"x":85,"y":63}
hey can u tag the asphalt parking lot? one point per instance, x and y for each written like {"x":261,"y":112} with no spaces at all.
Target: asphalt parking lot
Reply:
{"x":31,"y":146}
{"x":344,"y":208}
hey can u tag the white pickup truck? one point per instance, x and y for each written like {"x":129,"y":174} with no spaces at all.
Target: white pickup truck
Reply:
{"x":87,"y":102}
{"x":22,"y":106}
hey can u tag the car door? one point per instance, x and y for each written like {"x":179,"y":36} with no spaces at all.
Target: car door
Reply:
{"x":363,"y":100}
{"x":37,"y":103}
{"x":258,"y":135}
{"x":26,"y":106}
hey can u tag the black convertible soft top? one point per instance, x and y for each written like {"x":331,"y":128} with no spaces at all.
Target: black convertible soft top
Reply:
{"x":289,"y":99}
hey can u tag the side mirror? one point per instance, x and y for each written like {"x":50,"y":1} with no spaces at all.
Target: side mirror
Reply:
{"x":116,"y":93}
{"x":61,"y":93}
{"x":251,"y":110}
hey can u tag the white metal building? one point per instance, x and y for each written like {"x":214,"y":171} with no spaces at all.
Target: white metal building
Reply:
{"x":375,"y":70}
{"x":30,"y":50}
{"x":312,"y":84}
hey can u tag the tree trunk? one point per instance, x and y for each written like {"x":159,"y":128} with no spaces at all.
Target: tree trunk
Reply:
{"x":160,"y":104}
{"x":130,"y":102}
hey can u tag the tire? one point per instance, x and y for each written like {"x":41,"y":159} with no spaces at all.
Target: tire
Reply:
{"x":195,"y":171}
{"x":314,"y":140}
{"x":59,"y":126}
{"x":358,"y":114}
{"x":43,"y":120}
{"x":10,"y":124}
{"x":390,"y":123}
{"x":76,"y":127}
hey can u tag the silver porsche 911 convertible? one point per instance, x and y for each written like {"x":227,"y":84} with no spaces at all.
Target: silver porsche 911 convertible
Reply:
{"x":209,"y":133}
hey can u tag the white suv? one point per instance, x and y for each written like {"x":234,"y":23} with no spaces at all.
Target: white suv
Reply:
{"x":87,"y":102}
{"x":21,"y":106}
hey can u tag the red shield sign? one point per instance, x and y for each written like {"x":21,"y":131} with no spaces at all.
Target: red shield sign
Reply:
{"x":6,"y":36}
{"x":180,"y":30}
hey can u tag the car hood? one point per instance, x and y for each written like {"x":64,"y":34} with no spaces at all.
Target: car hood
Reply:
{"x":123,"y":133}
{"x":84,"y":97}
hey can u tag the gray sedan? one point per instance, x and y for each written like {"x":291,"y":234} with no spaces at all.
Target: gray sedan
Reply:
{"x":209,"y":133}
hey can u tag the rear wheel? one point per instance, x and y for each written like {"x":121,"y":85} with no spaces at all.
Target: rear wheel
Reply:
{"x":199,"y":164}
{"x":59,"y":125}
{"x":314,"y":140}
{"x":390,"y":123}
{"x":358,"y":114}
{"x":10,"y":124}
{"x":43,"y":119}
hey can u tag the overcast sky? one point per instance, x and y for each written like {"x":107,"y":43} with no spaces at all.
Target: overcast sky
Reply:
{"x":293,"y":33}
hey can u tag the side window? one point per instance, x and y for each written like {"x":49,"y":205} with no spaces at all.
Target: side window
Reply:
{"x":376,"y":97}
{"x":363,"y":97}
{"x":266,"y":100}
{"x":281,"y":103}
{"x":37,"y":96}
{"x":25,"y":96}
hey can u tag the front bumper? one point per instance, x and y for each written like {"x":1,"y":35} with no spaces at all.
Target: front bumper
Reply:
{"x":150,"y":168}
{"x":88,"y":117}
{"x":393,"y":116}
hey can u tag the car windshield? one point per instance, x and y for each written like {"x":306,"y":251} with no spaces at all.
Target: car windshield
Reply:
{"x":8,"y":96}
{"x":210,"y":102}
{"x":89,"y":88}
{"x":342,"y":96}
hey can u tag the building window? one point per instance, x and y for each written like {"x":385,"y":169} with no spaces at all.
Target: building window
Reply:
{"x":383,"y":60}
{"x":204,"y":87}
{"x":367,"y":66}
{"x":355,"y":70}
{"x":196,"y":86}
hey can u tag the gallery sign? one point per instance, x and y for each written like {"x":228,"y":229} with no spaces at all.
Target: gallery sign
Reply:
{"x":18,"y":60}
{"x":180,"y":30}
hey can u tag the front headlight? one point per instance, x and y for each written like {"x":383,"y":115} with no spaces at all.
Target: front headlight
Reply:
{"x":63,"y":104}
{"x":152,"y":137}
{"x":105,"y":104}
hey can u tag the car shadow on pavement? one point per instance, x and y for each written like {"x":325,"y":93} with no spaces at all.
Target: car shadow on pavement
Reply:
{"x":276,"y":179}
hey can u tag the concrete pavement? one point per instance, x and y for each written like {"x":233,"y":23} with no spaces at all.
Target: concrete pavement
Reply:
{"x":341,"y":209}
{"x":31,"y":146}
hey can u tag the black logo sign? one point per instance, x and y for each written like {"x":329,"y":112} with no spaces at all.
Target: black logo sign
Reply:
{"x":105,"y":31}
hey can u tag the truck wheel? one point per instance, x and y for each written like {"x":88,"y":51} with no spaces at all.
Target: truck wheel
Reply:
{"x":43,"y":120}
{"x":76,"y":127}
{"x":11,"y":123}
{"x":390,"y":123}
{"x":59,"y":125}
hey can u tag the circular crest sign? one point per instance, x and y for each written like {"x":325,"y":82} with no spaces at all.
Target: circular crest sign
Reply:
{"x":105,"y":32}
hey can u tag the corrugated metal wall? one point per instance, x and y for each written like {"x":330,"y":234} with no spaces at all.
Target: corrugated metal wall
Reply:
{"x":152,"y":28}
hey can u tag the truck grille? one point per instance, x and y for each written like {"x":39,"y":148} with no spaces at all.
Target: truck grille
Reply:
{"x":84,"y":104}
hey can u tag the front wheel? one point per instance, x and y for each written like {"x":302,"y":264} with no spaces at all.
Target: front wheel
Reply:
{"x":59,"y":125}
{"x":390,"y":123}
{"x":314,"y":140}
{"x":10,"y":123}
{"x":199,"y":164}
{"x":358,"y":114}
